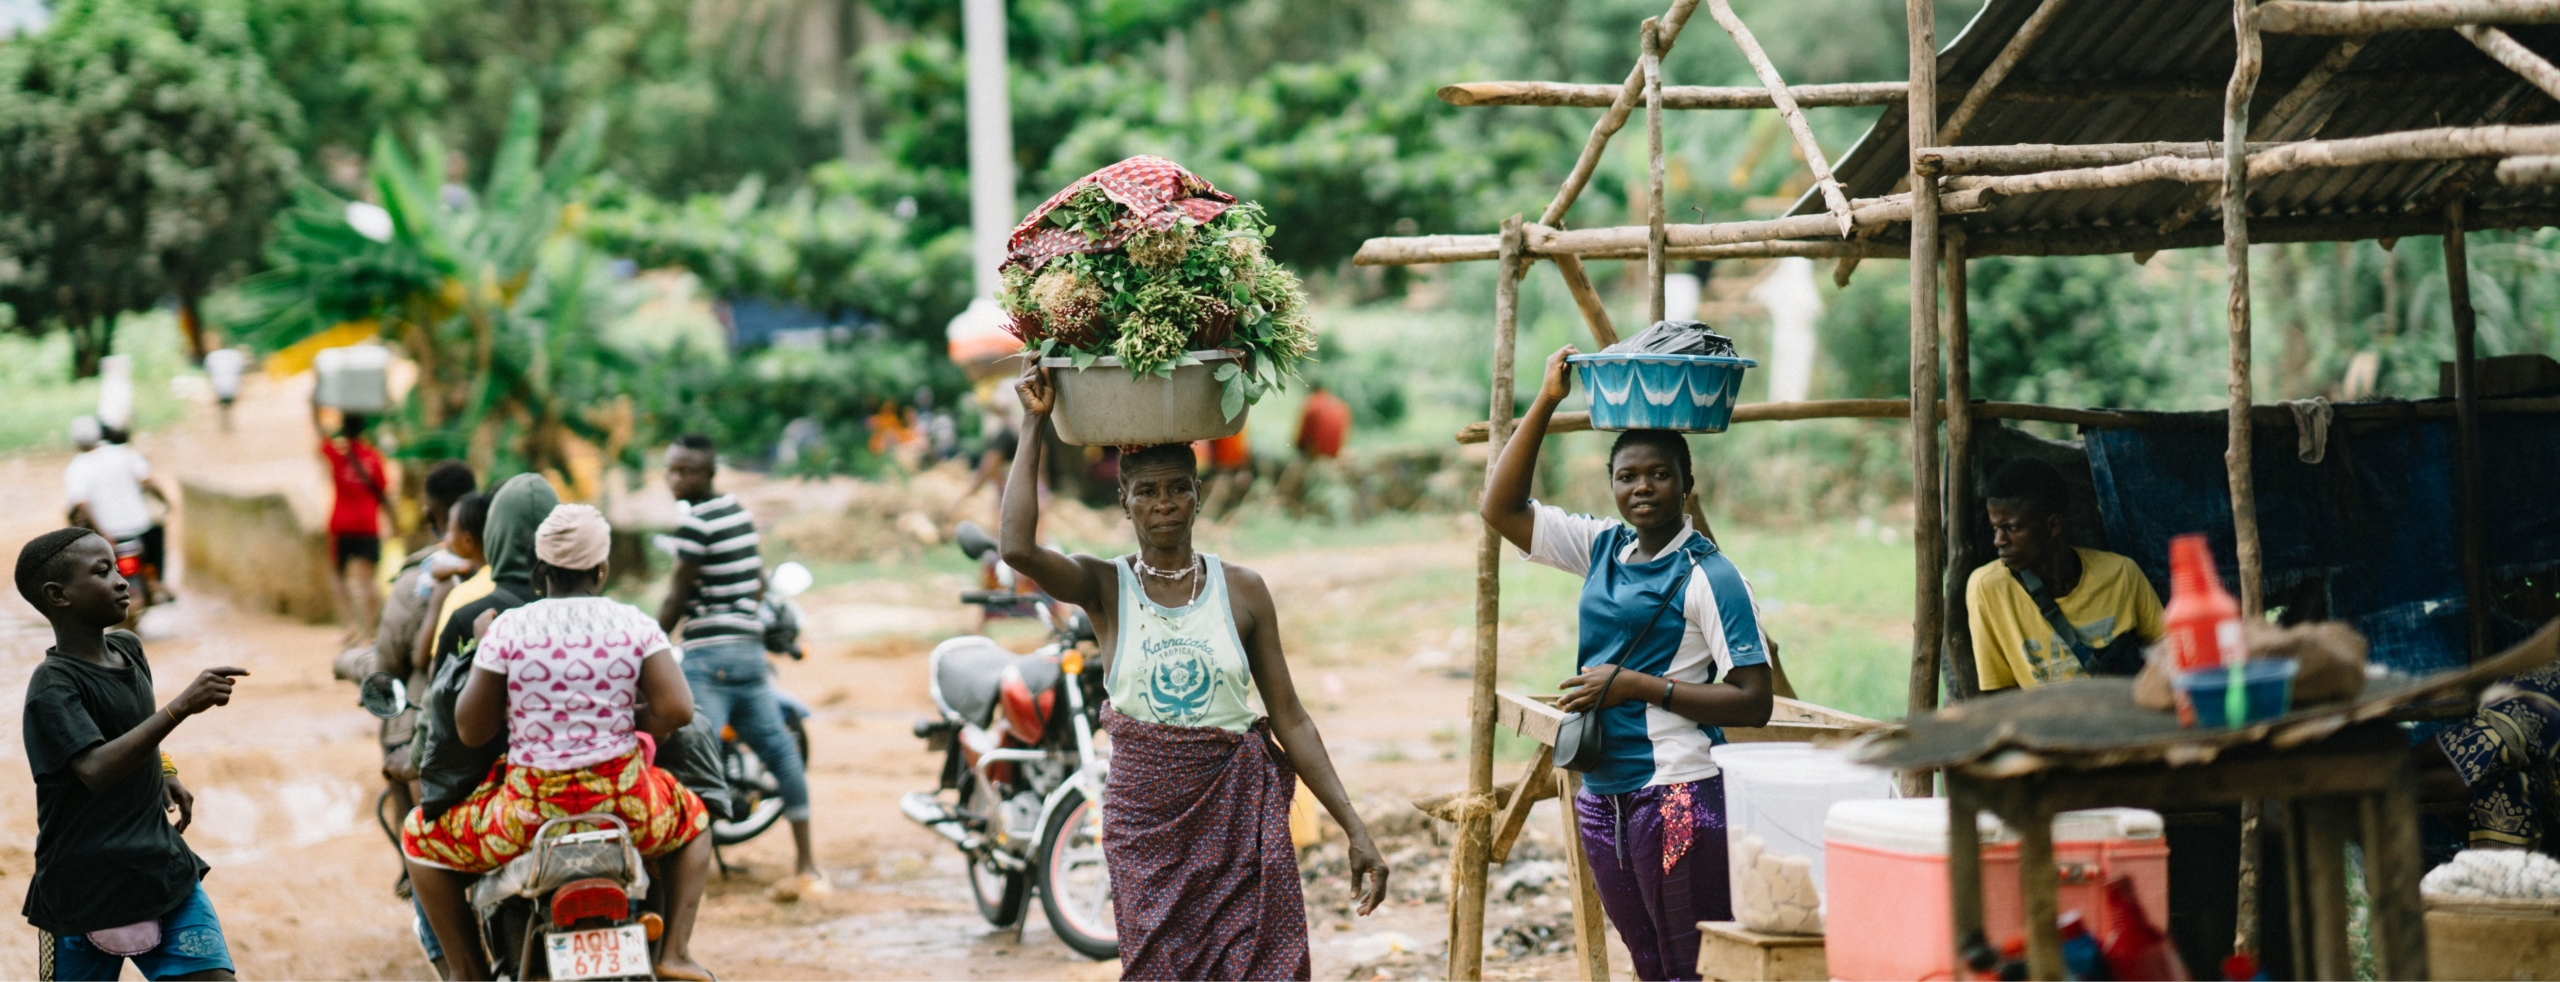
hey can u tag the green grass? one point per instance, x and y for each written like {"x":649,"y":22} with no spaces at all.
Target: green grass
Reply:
{"x":41,"y":398}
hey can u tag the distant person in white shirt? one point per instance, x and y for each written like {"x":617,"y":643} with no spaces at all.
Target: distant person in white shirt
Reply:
{"x":105,"y":490}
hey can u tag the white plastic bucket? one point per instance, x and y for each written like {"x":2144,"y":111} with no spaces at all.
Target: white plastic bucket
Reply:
{"x":1776,"y":798}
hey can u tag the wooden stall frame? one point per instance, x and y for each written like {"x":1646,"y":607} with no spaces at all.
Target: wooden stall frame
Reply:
{"x":1946,"y":181}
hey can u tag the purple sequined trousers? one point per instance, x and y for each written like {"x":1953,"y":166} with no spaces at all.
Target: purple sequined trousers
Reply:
{"x":1658,"y":876}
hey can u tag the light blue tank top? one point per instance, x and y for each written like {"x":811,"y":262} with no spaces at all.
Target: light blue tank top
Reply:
{"x":1182,"y":667}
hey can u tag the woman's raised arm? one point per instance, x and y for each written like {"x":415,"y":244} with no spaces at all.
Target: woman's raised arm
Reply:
{"x":1506,"y":499}
{"x":1018,"y":531}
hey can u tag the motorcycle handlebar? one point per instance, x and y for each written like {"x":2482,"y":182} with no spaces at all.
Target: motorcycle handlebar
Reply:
{"x":994,"y":598}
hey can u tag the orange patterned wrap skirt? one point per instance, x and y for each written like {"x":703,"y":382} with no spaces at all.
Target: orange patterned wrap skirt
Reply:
{"x":497,"y":822}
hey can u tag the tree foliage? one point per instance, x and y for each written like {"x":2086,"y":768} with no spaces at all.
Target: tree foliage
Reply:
{"x":143,"y":150}
{"x":486,"y":291}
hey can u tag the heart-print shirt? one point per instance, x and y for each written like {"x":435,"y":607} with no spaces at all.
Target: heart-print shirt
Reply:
{"x":573,"y":678}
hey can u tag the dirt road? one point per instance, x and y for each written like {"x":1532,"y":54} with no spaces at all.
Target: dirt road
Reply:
{"x":285,"y":783}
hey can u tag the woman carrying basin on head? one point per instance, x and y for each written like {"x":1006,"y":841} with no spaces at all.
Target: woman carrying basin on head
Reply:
{"x":1670,"y":650}
{"x":1196,"y":830}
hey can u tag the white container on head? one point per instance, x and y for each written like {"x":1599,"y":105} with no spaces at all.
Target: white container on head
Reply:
{"x":115,"y":392}
{"x":1107,"y":405}
{"x":354,"y":379}
{"x":1776,"y":798}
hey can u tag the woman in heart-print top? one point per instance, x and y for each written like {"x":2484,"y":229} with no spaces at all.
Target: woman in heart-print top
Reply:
{"x":573,"y":669}
{"x":572,"y":679}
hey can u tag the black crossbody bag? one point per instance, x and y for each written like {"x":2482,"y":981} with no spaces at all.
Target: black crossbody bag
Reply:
{"x":2122,"y":656}
{"x":1579,"y":742}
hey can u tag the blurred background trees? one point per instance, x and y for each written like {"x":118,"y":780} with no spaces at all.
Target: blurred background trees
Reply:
{"x":811,"y":154}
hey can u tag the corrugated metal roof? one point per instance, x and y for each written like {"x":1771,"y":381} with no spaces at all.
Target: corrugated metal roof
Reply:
{"x":2400,"y":81}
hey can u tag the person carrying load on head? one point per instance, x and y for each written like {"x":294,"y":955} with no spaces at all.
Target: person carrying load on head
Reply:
{"x":1670,"y":651}
{"x":570,"y":681}
{"x":1195,"y":828}
{"x":2047,"y":610}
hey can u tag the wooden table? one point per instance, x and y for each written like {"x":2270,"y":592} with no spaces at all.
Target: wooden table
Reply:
{"x":2343,"y":770}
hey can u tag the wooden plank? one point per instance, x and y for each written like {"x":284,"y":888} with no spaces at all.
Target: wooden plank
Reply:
{"x":2326,"y":826}
{"x":2466,"y":401}
{"x":1537,"y":784}
{"x":1590,"y":925}
{"x":2235,"y":260}
{"x":1531,"y":717}
{"x":1729,"y":951}
{"x":1475,"y":834}
{"x":2319,"y":17}
{"x":1537,"y":718}
{"x":1928,"y":554}
{"x":2393,"y":864}
{"x":2037,"y":887}
{"x":1964,"y":862}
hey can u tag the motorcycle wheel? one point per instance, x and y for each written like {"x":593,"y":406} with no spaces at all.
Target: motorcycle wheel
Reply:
{"x":761,"y":791}
{"x":1075,"y":883}
{"x":999,"y":894}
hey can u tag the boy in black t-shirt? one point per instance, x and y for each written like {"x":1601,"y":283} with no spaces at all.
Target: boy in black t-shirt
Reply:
{"x":114,"y":880}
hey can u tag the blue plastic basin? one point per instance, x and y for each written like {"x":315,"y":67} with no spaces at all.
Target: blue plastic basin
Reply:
{"x":2265,"y":692}
{"x":1688,"y":393}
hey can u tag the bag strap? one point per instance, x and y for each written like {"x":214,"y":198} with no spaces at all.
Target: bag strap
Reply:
{"x":1678,"y":589}
{"x":2052,"y":610}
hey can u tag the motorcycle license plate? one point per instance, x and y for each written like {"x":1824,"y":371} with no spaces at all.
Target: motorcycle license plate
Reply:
{"x":607,"y":952}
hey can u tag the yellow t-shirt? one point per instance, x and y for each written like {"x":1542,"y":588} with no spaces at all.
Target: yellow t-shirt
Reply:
{"x":2014,"y":645}
{"x":478,"y":585}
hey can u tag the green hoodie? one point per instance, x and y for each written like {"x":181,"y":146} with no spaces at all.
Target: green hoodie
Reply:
{"x":515,"y":514}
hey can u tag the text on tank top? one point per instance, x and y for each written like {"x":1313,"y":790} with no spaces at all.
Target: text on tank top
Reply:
{"x":1181,"y":667}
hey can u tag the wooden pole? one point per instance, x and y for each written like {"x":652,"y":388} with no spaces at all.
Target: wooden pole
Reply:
{"x":1590,"y":926}
{"x":1654,"y":264}
{"x":1835,"y":95}
{"x":1475,"y":828}
{"x":2498,"y":45}
{"x":1961,"y":504}
{"x":2466,"y":402}
{"x":1585,"y":296}
{"x":1927,"y":534}
{"x":2010,"y":54}
{"x":2235,"y":251}
{"x":2317,"y":17}
{"x":1814,"y":158}
{"x":1624,"y":102}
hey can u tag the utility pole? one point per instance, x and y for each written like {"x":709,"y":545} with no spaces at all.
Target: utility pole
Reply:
{"x":991,"y":208}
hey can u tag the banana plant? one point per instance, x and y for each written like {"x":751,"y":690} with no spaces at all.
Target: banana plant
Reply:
{"x":491,"y":293}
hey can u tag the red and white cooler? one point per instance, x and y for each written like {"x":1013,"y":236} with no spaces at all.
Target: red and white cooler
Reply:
{"x":1885,"y":887}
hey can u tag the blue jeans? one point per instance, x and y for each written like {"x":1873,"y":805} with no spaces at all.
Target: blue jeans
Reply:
{"x":190,"y":941}
{"x":733,"y":686}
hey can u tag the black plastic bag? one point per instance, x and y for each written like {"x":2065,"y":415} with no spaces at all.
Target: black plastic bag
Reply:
{"x":1675,"y":338}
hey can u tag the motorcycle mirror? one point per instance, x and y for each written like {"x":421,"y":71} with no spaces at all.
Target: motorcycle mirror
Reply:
{"x":789,"y":580}
{"x":383,"y":695}
{"x":974,"y":541}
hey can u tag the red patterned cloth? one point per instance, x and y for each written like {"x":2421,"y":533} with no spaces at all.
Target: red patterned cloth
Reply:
{"x":1195,"y":827}
{"x":1157,"y":192}
{"x":497,"y":822}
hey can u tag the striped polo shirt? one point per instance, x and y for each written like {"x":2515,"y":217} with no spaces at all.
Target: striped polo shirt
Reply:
{"x":719,"y":536}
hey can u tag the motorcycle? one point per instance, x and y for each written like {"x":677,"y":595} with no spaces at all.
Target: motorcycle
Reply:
{"x":575,"y":906}
{"x":1027,"y":780}
{"x":758,"y":792}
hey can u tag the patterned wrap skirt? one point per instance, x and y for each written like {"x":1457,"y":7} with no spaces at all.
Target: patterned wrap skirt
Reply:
{"x":2506,"y":753}
{"x":1195,"y":828}
{"x":497,"y":822}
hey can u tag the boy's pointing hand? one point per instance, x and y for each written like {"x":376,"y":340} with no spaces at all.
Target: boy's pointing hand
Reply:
{"x":211,"y":688}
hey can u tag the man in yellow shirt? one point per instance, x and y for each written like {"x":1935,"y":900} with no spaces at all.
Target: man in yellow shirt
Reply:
{"x":2022,"y":606}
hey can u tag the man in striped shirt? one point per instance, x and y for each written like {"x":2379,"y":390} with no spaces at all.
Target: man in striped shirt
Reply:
{"x":714,"y":595}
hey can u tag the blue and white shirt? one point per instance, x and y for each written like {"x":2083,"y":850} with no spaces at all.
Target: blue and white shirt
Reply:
{"x":1720,"y":632}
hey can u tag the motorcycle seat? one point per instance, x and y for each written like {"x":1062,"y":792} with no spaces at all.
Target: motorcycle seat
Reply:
{"x":968,"y":671}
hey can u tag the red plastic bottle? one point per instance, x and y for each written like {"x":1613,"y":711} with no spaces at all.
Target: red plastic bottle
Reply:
{"x":2202,"y":622}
